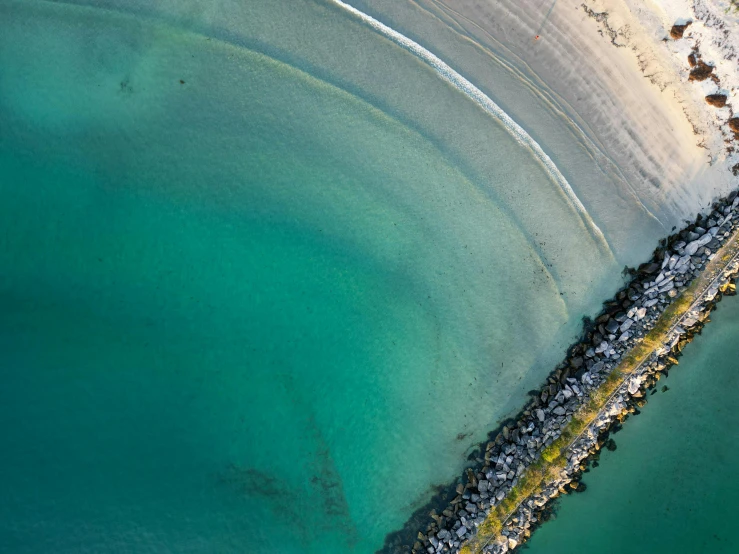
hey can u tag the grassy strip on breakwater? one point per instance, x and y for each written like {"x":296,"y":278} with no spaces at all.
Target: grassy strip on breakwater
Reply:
{"x":553,"y":458}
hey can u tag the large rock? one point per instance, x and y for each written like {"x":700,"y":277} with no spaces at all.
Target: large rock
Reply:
{"x":650,"y":268}
{"x":716,"y":100}
{"x":667,"y":286}
{"x":677,"y":30}
{"x":626,"y":325}
{"x":684,"y":260}
{"x":700,"y":72}
{"x":693,"y":247}
{"x":603,"y":346}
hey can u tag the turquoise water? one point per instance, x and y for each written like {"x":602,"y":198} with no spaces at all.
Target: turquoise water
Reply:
{"x":671,"y":486}
{"x":247,"y":302}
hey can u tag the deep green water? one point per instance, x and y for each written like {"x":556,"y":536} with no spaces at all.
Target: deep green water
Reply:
{"x":670,"y":487}
{"x":259,"y":292}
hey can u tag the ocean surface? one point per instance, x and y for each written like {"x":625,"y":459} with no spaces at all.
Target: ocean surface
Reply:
{"x":265,"y":277}
{"x":670,"y":487}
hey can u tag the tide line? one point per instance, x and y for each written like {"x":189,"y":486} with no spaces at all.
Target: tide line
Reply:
{"x":486,"y":103}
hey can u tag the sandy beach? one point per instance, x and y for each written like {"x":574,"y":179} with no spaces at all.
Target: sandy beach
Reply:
{"x":658,"y":148}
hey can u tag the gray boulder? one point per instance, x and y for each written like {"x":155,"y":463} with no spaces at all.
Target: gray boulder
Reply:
{"x":693,"y":247}
{"x":626,"y":325}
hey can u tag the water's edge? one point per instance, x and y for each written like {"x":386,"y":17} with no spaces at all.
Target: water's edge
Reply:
{"x":638,"y":335}
{"x":627,"y":399}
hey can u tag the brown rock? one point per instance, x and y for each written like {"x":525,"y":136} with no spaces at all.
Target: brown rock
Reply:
{"x":700,"y":72}
{"x":734,"y":124}
{"x":693,"y":59}
{"x":677,"y":31}
{"x":716,"y":100}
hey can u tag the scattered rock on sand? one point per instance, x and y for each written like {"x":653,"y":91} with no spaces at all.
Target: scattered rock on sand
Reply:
{"x":677,"y":30}
{"x":700,"y":72}
{"x":716,"y":100}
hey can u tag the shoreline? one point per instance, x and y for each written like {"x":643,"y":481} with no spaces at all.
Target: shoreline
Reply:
{"x":638,"y":335}
{"x":631,"y":393}
{"x":530,"y":460}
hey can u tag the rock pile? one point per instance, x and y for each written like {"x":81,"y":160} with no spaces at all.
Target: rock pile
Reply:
{"x":700,"y":72}
{"x":623,"y":322}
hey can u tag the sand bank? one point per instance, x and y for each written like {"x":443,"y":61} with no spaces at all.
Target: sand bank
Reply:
{"x":638,"y":148}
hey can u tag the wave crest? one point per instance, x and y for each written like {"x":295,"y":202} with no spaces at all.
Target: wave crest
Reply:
{"x":486,"y":103}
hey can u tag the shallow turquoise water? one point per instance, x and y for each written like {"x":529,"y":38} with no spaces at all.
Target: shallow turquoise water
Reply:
{"x":671,"y":486}
{"x":245,"y":309}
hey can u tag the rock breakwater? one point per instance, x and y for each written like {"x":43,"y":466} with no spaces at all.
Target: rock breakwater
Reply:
{"x":637,"y":336}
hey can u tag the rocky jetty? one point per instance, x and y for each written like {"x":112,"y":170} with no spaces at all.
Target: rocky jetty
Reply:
{"x":620,"y":328}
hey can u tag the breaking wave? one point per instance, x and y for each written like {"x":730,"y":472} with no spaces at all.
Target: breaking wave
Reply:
{"x":483,"y":101}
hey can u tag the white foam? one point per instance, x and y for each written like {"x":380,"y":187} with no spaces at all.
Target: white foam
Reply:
{"x":484,"y":101}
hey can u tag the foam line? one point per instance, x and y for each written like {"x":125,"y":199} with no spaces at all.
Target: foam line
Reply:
{"x":481,"y":99}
